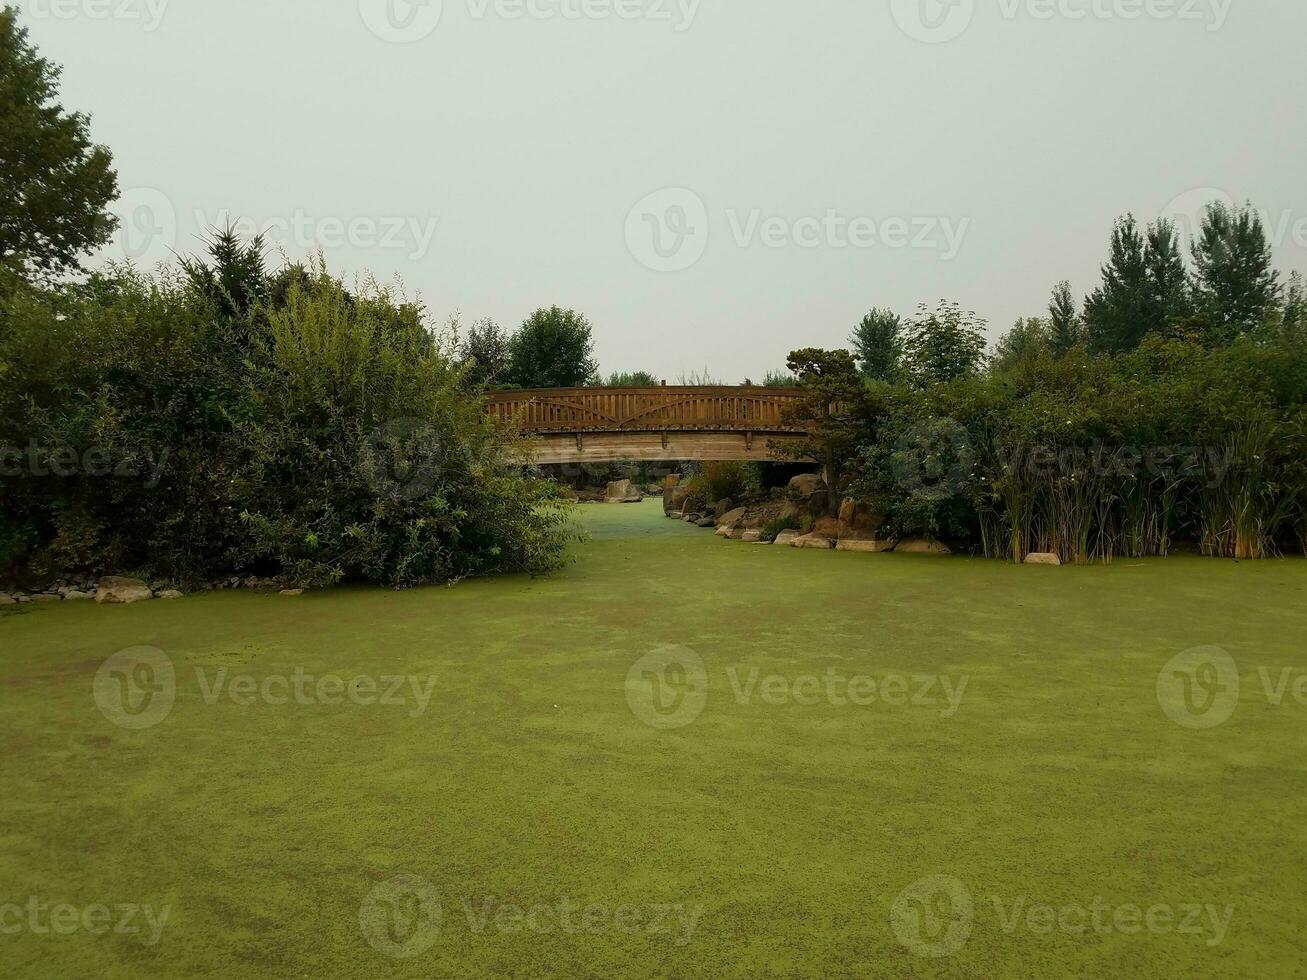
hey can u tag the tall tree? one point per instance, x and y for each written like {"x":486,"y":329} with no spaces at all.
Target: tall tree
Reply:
{"x":1027,"y":336}
{"x":878,"y":343}
{"x":833,"y":391}
{"x":943,"y":344}
{"x":54,"y":182}
{"x":553,"y":349}
{"x":1063,"y":319}
{"x":486,"y":354}
{"x":1168,"y":279}
{"x":1234,"y":281}
{"x":1117,"y":312}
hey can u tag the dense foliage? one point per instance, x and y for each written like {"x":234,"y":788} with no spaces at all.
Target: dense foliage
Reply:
{"x":222,"y":421}
{"x":54,"y":182}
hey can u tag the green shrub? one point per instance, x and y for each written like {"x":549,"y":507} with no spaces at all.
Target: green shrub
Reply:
{"x":318,"y":437}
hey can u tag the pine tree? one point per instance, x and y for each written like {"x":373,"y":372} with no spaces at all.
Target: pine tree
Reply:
{"x":1116,"y":313}
{"x":1234,"y":281}
{"x":1168,"y":280}
{"x":1063,"y":319}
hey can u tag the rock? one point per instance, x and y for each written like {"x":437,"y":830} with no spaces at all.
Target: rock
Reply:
{"x":115,"y":590}
{"x":568,"y":493}
{"x":692,"y":518}
{"x":1043,"y":559}
{"x":861,"y":521}
{"x":77,"y":596}
{"x":47,"y":597}
{"x":730,"y":533}
{"x":723,"y":507}
{"x":292,"y":592}
{"x":733,"y":517}
{"x":623,"y":492}
{"x":815,"y":541}
{"x":806,"y":484}
{"x":921,"y":546}
{"x":828,"y":527}
{"x":870,"y":546}
{"x":786,"y":537}
{"x":675,"y":493}
{"x":751,"y":537}
{"x":707,"y":522}
{"x":171,"y":594}
{"x":7,"y":600}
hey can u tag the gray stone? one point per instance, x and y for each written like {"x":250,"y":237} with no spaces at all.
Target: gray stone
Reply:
{"x":787,"y":537}
{"x":171,"y":594}
{"x":115,"y":590}
{"x":623,"y":492}
{"x":921,"y":546}
{"x":816,"y":542}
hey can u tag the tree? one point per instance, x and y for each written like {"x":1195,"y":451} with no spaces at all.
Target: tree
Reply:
{"x":54,"y":182}
{"x":237,"y":279}
{"x":1168,"y":279}
{"x":833,"y":389}
{"x":1234,"y":281}
{"x":631,"y":379}
{"x":878,"y":343}
{"x":1116,"y":313}
{"x":1063,"y":319}
{"x":553,"y":349}
{"x":780,"y":379}
{"x":486,"y":355}
{"x":943,"y":345}
{"x":1027,"y":336}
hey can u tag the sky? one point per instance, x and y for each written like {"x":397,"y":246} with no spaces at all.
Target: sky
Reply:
{"x":711,"y":182}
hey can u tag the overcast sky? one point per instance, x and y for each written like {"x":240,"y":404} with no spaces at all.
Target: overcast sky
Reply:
{"x":712,"y":182}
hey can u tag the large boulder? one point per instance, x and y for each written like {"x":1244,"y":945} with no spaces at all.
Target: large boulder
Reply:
{"x":623,"y":492}
{"x":114,"y":590}
{"x":921,"y":546}
{"x":787,"y":538}
{"x":871,"y":546}
{"x":859,"y":521}
{"x":809,"y":490}
{"x":675,"y":494}
{"x":816,"y":541}
{"x":1043,"y":559}
{"x":733,"y":518}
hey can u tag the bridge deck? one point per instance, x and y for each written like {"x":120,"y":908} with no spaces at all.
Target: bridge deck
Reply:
{"x":669,"y":423}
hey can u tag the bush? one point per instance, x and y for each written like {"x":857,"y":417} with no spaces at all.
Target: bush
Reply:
{"x":320,"y":437}
{"x":739,"y":482}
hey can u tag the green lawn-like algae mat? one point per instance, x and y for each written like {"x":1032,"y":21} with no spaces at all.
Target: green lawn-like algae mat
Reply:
{"x":889,"y":766}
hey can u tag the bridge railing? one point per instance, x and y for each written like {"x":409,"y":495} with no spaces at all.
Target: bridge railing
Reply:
{"x":646,"y":409}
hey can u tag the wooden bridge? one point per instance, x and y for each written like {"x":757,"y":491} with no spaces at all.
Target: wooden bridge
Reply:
{"x":603,"y":425}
